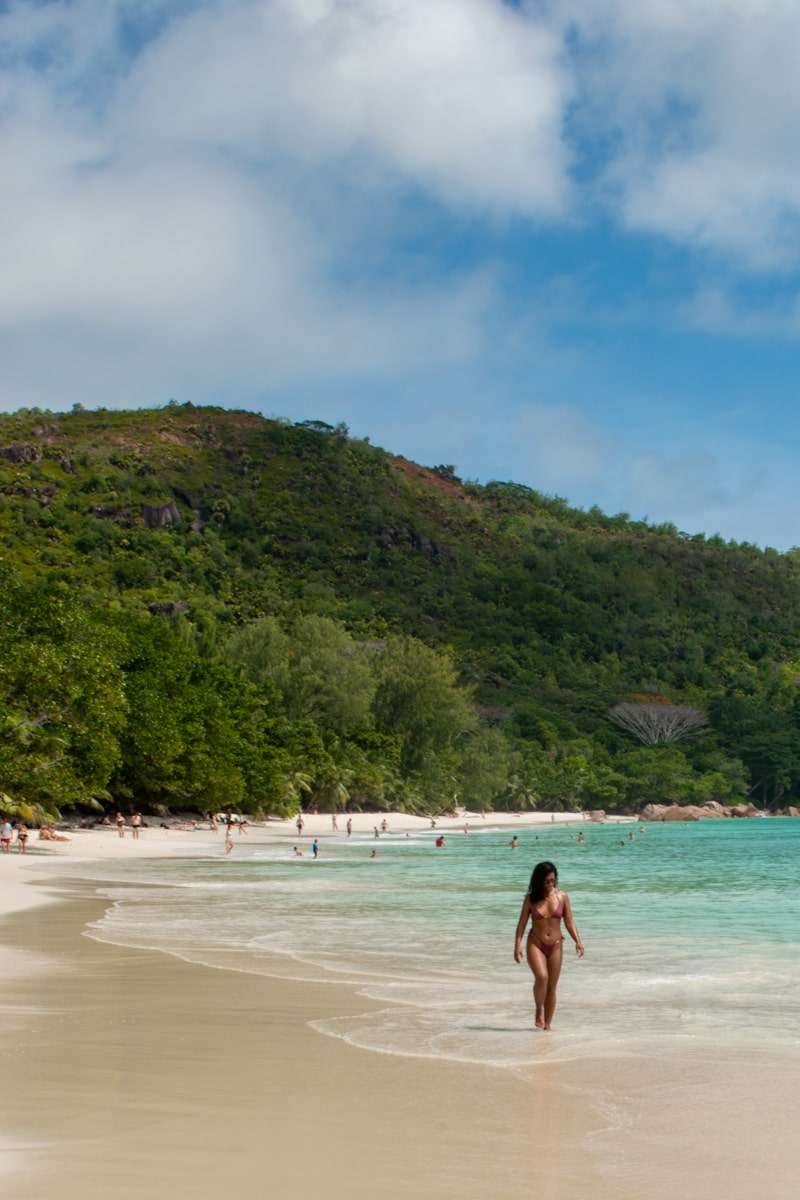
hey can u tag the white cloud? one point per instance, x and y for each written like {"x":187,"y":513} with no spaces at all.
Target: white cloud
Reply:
{"x":220,"y":208}
{"x":462,"y":98}
{"x":702,"y":101}
{"x":552,"y":447}
{"x":691,"y":483}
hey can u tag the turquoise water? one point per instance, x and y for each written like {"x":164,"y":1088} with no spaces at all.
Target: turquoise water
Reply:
{"x":691,"y":935}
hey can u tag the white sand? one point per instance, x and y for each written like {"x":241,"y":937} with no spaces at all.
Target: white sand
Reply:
{"x":128,"y":1074}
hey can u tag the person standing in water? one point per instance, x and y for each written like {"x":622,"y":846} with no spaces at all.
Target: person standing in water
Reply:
{"x":315,"y":848}
{"x":349,"y":826}
{"x":544,"y":906}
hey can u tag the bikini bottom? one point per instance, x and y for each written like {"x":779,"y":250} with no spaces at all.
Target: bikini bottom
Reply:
{"x":547,"y":948}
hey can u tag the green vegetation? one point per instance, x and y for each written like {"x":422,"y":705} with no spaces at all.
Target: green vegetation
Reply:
{"x":202,"y":608}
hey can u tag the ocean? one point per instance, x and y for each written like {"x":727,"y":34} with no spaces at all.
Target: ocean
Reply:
{"x":691,"y":934}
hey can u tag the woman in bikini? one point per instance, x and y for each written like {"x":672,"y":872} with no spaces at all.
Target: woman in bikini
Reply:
{"x":544,"y":906}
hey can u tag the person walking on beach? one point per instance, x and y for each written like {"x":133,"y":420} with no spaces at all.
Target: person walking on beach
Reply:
{"x":299,"y":823}
{"x":384,"y":825}
{"x":228,"y":839}
{"x":349,"y":826}
{"x":334,"y":823}
{"x":22,"y":836}
{"x":120,"y":825}
{"x":315,"y":848}
{"x":6,"y":834}
{"x":544,"y":906}
{"x":136,"y":825}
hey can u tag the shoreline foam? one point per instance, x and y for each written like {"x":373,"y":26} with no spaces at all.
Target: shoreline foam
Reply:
{"x":139,"y":1073}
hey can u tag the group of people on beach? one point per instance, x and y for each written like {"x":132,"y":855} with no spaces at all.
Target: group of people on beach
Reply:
{"x":8,"y":832}
{"x":19,"y":831}
{"x":136,"y":824}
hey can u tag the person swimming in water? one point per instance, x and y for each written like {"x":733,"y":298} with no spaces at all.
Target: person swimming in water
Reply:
{"x":544,"y":906}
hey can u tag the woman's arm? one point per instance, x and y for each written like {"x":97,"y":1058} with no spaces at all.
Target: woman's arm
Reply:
{"x":521,"y":924}
{"x":569,"y":921}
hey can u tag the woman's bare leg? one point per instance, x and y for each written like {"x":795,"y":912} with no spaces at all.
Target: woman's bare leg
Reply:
{"x":538,"y":964}
{"x":553,"y":972}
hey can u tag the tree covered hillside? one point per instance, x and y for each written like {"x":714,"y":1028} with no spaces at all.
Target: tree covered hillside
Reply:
{"x":203,"y":607}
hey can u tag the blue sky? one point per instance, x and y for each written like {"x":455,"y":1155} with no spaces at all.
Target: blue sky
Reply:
{"x":554,"y":241}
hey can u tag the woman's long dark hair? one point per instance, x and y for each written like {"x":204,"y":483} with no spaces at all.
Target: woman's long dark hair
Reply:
{"x":540,"y":873}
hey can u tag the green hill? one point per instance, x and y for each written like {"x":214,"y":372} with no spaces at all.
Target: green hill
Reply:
{"x":203,"y":607}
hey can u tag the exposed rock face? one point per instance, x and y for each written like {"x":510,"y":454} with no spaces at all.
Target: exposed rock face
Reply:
{"x":21,"y":453}
{"x":494,"y":713}
{"x":389,"y":537}
{"x":168,"y":608}
{"x":682,"y":812}
{"x":710,"y":809}
{"x":597,"y":814}
{"x":792,"y":811}
{"x":190,"y":499}
{"x":161,"y":516}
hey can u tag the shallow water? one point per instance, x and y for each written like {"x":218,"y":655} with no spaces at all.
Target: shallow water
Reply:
{"x":691,"y":935}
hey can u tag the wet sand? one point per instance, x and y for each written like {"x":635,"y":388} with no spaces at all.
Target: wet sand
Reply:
{"x":129,"y":1073}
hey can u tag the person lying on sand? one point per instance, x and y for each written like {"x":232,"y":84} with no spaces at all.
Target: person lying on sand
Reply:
{"x":48,"y":834}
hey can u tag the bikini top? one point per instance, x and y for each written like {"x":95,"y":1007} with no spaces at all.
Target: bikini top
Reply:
{"x":546,"y":916}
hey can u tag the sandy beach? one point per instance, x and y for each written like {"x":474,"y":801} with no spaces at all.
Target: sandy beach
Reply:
{"x":131,"y":1073}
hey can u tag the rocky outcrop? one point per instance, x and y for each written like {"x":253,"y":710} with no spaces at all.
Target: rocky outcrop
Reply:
{"x":161,"y":516}
{"x":191,"y":500}
{"x":682,"y":812}
{"x":711,"y":809}
{"x":389,"y":537}
{"x":494,"y":714}
{"x":168,"y":608}
{"x":652,"y":812}
{"x":792,"y":811}
{"x":597,"y":814}
{"x":44,"y":495}
{"x":21,"y":453}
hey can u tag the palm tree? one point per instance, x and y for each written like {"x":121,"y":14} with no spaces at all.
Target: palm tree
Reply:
{"x":296,"y":785}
